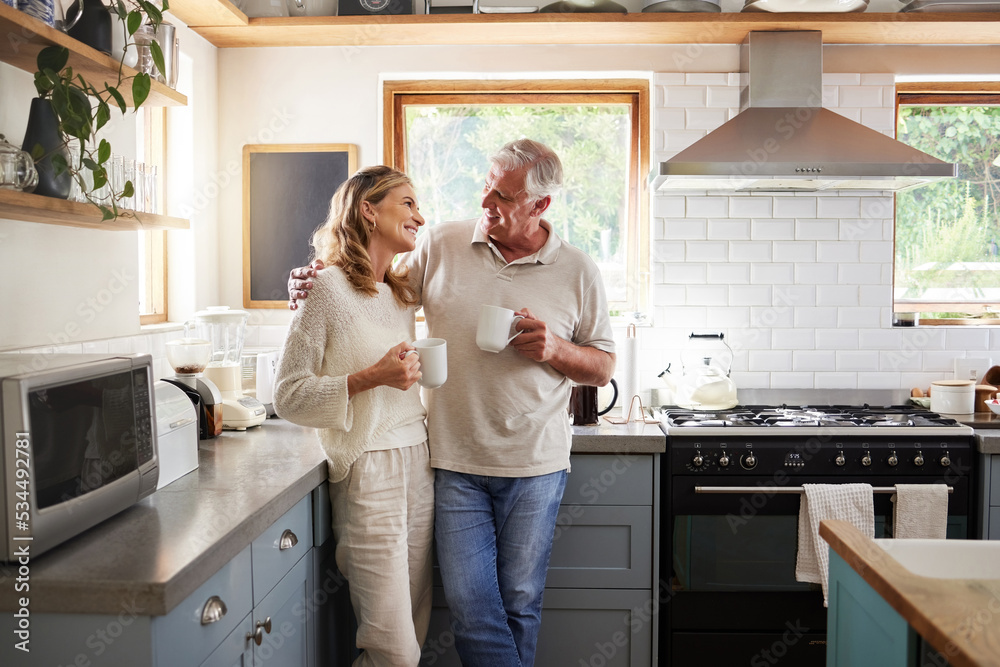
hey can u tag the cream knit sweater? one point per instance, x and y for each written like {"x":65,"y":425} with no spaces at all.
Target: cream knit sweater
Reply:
{"x":335,"y":332}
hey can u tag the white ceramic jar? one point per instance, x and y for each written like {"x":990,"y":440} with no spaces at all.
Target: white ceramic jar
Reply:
{"x":953,"y":396}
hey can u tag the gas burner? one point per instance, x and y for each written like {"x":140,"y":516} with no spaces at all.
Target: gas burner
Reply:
{"x":815,"y":416}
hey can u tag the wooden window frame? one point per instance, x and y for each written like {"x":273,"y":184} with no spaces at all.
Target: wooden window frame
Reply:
{"x":155,"y":242}
{"x":945,"y":93}
{"x":635,"y":92}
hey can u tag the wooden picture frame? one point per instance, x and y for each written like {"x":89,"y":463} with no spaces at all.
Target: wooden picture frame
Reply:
{"x":286,"y":195}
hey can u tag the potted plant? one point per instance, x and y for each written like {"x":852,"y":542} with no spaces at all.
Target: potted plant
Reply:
{"x":71,"y":109}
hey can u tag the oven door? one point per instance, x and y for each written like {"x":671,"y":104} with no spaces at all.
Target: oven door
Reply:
{"x":731,"y":557}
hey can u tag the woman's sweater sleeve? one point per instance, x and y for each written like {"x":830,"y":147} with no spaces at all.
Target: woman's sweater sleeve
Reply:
{"x":302,"y":393}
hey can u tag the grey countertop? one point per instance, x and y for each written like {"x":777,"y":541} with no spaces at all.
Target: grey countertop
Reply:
{"x":161,"y":549}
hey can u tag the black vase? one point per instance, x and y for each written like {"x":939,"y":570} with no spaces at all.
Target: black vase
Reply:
{"x":43,"y":129}
{"x":94,"y":27}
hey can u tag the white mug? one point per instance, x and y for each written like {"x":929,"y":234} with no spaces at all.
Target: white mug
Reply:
{"x":433,"y":353}
{"x":494,"y":328}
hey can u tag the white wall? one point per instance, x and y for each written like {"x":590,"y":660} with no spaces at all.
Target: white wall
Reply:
{"x":63,"y":285}
{"x":804,"y":301}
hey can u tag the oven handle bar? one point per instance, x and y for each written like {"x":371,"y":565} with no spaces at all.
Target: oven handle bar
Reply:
{"x":780,"y":489}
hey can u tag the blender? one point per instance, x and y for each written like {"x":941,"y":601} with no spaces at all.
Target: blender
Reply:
{"x":188,"y":357}
{"x":224,"y":329}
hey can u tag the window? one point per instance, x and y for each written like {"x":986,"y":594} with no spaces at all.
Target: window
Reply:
{"x":947,"y":255}
{"x":441,"y":133}
{"x":151,"y":144}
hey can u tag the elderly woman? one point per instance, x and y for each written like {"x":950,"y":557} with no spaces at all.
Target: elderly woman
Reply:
{"x":345,"y":371}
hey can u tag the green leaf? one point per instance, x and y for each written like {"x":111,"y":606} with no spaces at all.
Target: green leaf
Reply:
{"x":119,"y":100}
{"x":90,"y":164}
{"x":154,"y":48}
{"x":59,"y":163}
{"x":104,"y":151}
{"x":100,"y":178}
{"x":37,"y":152}
{"x":121,"y":10}
{"x":106,"y":213}
{"x":128,"y":190}
{"x":52,"y":57}
{"x":102,"y":117}
{"x":134,"y":21}
{"x":152,"y":11}
{"x":140,"y":89}
{"x":166,"y":5}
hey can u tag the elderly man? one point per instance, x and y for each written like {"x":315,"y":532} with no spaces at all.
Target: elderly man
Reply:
{"x":499,"y":435}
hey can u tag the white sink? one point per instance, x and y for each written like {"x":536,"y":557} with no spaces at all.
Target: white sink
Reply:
{"x":946,"y":559}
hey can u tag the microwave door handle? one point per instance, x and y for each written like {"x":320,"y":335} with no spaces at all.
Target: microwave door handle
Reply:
{"x":780,"y":489}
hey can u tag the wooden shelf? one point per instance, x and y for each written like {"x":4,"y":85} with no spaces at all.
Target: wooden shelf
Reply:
{"x":195,"y":13}
{"x":16,"y":205}
{"x":24,"y":36}
{"x":639,"y":28}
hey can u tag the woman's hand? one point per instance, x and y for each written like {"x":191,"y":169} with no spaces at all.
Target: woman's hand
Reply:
{"x":396,"y":369}
{"x":298,"y":282}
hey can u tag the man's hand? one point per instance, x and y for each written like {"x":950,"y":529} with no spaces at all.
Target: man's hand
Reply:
{"x":299,"y":284}
{"x":582,"y":364}
{"x":536,"y":341}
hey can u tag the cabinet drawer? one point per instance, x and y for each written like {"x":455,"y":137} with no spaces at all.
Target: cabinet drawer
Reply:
{"x":595,"y":546}
{"x":273,"y":552}
{"x":609,"y":479}
{"x":181,"y":634}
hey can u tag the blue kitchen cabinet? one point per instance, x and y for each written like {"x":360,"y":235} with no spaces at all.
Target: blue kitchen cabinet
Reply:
{"x":264,"y":589}
{"x":599,"y":606}
{"x":862,"y":629}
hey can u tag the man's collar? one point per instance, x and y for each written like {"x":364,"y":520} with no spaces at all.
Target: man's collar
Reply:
{"x":544,"y":255}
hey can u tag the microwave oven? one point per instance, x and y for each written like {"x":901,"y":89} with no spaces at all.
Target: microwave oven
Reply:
{"x":79,"y":444}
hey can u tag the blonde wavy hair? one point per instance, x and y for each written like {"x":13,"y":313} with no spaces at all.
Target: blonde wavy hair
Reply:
{"x":343,"y":238}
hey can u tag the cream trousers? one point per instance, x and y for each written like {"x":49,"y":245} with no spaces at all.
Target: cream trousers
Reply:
{"x":383,"y":520}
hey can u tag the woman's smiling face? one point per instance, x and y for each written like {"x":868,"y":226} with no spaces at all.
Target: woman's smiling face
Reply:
{"x":397,"y":219}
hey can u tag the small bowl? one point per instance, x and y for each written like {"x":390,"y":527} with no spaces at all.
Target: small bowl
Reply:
{"x":993,"y":405}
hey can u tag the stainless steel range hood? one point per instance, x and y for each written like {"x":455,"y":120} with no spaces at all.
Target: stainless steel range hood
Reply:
{"x":784,"y":140}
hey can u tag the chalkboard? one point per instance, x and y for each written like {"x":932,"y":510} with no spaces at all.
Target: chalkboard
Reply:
{"x":286,"y":196}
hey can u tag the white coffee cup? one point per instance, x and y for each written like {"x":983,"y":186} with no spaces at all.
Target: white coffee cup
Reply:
{"x":433,"y":353}
{"x":493,"y":332}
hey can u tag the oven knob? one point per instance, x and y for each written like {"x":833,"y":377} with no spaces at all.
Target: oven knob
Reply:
{"x":945,"y":460}
{"x":840,"y":460}
{"x":698,"y":460}
{"x":892,"y":461}
{"x":866,"y":460}
{"x":724,"y":461}
{"x":749,"y":461}
{"x":918,"y":460}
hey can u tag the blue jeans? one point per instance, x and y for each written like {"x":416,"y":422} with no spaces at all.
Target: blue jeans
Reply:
{"x":494,"y":538}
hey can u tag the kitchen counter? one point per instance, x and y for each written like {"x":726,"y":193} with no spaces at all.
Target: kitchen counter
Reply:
{"x":162,"y":548}
{"x":956,"y":616}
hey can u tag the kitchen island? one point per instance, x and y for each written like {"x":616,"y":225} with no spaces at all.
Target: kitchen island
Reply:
{"x":873,"y":594}
{"x":166,"y":548}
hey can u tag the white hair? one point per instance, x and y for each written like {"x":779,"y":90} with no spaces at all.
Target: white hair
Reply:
{"x":545,"y":173}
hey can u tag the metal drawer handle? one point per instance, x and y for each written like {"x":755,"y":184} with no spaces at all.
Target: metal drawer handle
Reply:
{"x":780,"y":489}
{"x":287,"y":541}
{"x":213,"y":610}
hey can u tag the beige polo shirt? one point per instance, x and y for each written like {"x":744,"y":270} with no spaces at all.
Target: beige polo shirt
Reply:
{"x":502,"y":414}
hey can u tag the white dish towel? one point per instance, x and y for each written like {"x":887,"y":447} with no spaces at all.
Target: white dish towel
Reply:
{"x":849,"y":502}
{"x":920,"y":511}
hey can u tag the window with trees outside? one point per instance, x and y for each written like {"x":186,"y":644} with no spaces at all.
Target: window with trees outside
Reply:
{"x":441,"y":133}
{"x":947,"y":255}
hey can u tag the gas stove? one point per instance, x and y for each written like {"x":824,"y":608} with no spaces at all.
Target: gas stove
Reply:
{"x":810,"y":420}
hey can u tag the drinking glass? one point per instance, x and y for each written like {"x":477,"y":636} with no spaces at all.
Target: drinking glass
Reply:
{"x":152,"y":195}
{"x":139,"y":187}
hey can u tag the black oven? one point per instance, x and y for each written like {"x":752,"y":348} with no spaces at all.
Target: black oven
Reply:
{"x":730,"y":526}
